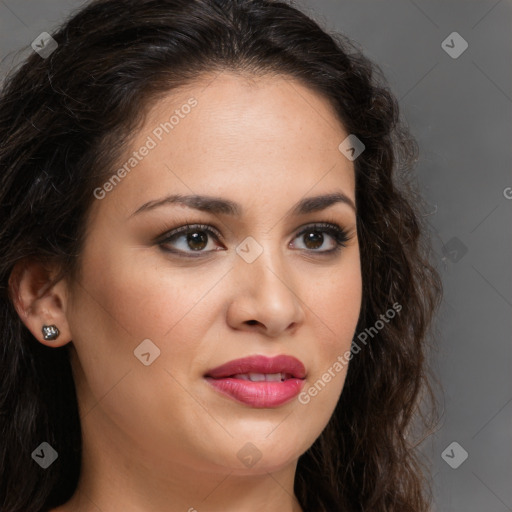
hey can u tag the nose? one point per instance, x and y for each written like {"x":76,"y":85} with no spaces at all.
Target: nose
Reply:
{"x":266,"y":297}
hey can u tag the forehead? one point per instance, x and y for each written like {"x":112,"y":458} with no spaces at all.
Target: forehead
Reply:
{"x":275,"y":107}
{"x":230,"y":132}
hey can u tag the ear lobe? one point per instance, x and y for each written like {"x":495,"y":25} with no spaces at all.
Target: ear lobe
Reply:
{"x":38,"y":302}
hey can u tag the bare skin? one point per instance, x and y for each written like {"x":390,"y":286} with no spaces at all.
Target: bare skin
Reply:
{"x":158,"y":437}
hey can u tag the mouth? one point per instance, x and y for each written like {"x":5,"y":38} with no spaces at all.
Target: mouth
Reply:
{"x":263,"y":377}
{"x":259,"y":381}
{"x":259,"y":368}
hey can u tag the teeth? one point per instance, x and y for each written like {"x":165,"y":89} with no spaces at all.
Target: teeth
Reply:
{"x":257,"y":377}
{"x":260,"y":377}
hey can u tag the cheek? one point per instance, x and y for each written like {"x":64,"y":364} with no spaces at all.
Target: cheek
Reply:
{"x":336,"y":302}
{"x":118,"y":306}
{"x":141,"y":295}
{"x":133,"y":297}
{"x":335,"y":309}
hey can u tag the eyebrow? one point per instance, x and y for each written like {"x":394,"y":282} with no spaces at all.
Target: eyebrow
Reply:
{"x":217,"y":205}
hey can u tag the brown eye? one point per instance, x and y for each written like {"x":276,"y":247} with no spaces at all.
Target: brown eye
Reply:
{"x":314,"y":238}
{"x":197,"y":240}
{"x":189,"y":239}
{"x":193,"y":239}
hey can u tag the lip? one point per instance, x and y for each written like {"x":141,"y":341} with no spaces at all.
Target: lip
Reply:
{"x":263,"y":394}
{"x":260,"y":364}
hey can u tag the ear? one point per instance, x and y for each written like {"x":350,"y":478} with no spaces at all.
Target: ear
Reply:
{"x":38,"y":301}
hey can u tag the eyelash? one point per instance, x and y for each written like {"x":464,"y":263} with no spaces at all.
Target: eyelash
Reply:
{"x":339,"y":235}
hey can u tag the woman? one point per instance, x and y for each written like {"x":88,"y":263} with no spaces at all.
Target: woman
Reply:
{"x":216,"y":288}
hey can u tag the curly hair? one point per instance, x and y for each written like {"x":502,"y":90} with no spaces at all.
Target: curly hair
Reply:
{"x":65,"y":121}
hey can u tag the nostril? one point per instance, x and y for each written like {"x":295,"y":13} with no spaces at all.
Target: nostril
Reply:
{"x":252,"y":322}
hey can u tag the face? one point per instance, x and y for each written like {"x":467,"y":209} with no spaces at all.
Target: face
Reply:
{"x":156,"y":310}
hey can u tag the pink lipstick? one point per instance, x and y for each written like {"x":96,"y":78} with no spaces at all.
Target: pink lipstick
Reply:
{"x":259,"y":381}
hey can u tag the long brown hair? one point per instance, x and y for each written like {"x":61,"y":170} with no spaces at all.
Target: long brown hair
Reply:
{"x":64,"y":122}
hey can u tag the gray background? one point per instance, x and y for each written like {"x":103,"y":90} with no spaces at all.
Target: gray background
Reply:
{"x":459,"y":109}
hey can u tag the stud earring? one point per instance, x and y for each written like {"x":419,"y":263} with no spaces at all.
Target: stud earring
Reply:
{"x":50,"y":332}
